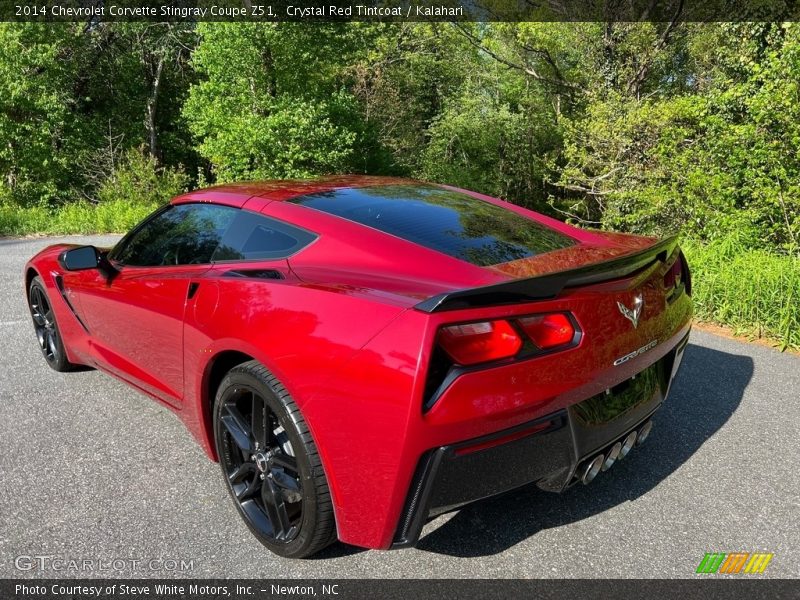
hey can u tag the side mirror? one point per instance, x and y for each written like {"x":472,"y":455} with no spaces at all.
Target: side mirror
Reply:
{"x":80,"y":259}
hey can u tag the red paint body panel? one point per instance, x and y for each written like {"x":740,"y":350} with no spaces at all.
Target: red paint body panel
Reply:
{"x":340,"y":332}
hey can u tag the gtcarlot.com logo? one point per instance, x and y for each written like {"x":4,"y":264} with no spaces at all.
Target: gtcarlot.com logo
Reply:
{"x":62,"y":564}
{"x":735,"y":562}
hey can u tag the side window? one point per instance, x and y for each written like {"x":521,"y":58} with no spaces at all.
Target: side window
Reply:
{"x":254,"y":237}
{"x":184,"y":234}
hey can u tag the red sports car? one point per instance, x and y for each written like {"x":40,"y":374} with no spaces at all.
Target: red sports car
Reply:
{"x":361,"y":354}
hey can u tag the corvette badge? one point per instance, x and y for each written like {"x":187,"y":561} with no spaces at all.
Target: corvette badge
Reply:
{"x":632,"y":314}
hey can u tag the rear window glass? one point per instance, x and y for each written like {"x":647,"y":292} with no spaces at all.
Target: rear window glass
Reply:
{"x":450,"y":222}
{"x":254,"y":237}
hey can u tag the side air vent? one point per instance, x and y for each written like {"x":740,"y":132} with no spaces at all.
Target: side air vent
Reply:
{"x":63,"y":291}
{"x":255,"y":273}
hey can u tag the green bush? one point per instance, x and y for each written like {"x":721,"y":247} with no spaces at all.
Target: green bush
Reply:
{"x":76,"y":218}
{"x":128,"y":195}
{"x":15,"y":220}
{"x":755,"y":292}
{"x":139,"y":180}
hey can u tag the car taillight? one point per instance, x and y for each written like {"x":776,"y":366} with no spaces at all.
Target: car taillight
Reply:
{"x":673,"y":277}
{"x":548,"y":331}
{"x":686,"y":274}
{"x":474,"y":343}
{"x":678,"y":273}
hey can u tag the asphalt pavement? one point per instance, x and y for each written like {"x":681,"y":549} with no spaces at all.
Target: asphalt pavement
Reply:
{"x":91,"y":470}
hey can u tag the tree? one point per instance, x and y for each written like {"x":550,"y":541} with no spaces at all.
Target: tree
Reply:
{"x":69,"y":93}
{"x":38,"y":72}
{"x":273,"y":102}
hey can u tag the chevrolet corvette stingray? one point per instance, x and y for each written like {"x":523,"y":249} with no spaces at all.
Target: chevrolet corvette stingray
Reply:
{"x":361,"y":354}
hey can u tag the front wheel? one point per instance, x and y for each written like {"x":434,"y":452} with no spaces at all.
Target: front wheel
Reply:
{"x":270,"y":463}
{"x":46,"y":328}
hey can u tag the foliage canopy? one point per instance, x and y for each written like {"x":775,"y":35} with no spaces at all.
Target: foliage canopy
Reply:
{"x":643,"y":127}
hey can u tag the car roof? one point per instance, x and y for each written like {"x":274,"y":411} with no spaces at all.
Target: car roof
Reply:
{"x":237,"y":194}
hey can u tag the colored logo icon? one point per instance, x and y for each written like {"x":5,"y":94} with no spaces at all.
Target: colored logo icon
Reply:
{"x":735,"y":562}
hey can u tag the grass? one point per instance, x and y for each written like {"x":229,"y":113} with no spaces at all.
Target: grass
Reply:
{"x":75,"y":218}
{"x":755,"y":292}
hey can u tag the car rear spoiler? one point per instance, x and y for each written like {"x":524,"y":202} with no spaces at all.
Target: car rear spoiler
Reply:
{"x":550,"y":285}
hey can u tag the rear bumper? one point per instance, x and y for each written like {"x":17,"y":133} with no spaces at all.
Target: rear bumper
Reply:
{"x":550,"y":451}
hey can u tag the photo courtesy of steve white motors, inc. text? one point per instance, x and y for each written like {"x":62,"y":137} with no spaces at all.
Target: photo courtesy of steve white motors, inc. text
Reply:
{"x":161,"y":590}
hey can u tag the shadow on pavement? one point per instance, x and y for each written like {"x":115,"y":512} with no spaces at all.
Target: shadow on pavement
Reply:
{"x":706,"y":392}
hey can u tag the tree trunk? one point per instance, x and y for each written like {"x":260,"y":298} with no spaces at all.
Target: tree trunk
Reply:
{"x":152,"y":111}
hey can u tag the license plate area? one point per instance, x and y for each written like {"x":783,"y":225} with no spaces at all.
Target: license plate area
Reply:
{"x":614,"y":402}
{"x":609,"y":414}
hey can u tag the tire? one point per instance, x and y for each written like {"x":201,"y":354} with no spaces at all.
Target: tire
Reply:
{"x":47,"y":332}
{"x":270,"y":464}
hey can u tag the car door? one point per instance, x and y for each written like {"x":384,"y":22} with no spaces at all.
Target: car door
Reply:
{"x":250,"y":268}
{"x":135,"y":316}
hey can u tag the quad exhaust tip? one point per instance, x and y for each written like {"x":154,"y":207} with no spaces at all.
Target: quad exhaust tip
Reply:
{"x":592,"y":469}
{"x":644,"y":432}
{"x":603,"y":462}
{"x":612,"y":456}
{"x":627,"y":445}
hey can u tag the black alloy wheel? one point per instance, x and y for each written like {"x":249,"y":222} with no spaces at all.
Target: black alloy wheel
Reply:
{"x":46,"y":328}
{"x":270,"y":463}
